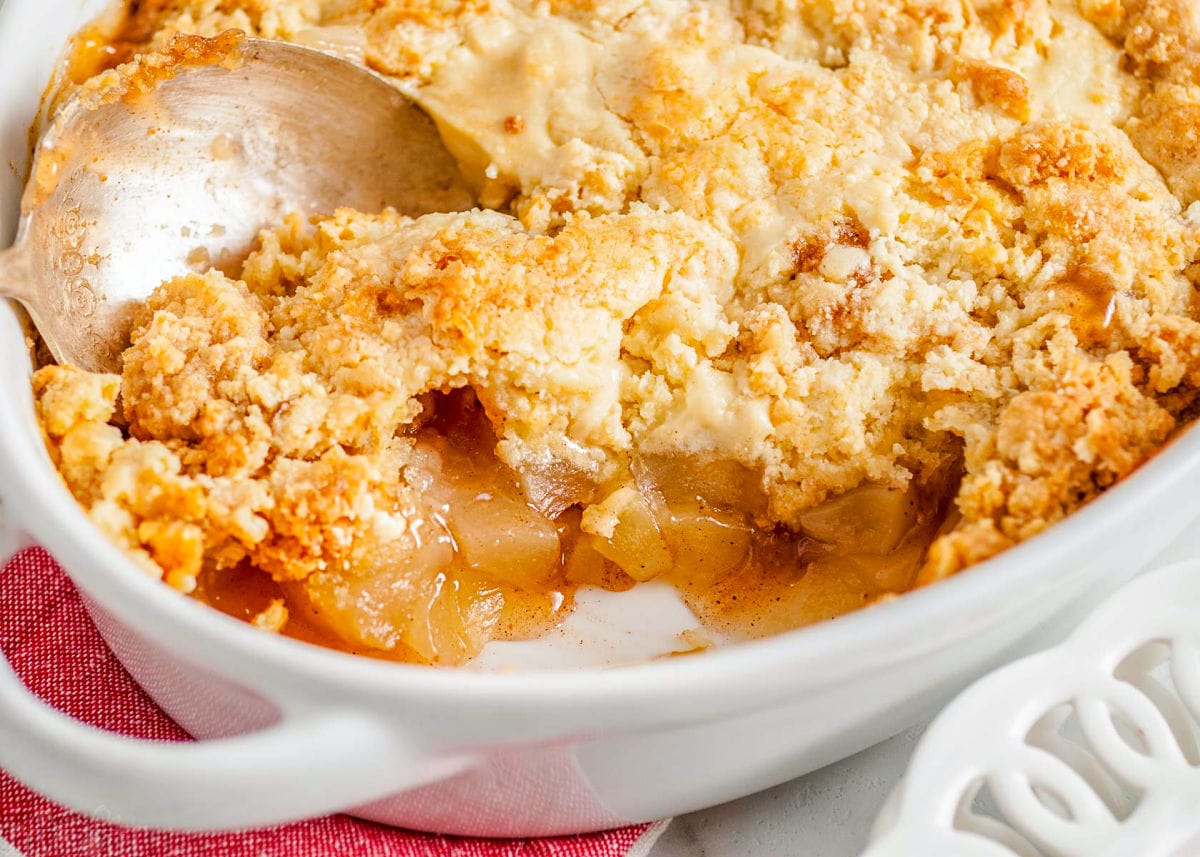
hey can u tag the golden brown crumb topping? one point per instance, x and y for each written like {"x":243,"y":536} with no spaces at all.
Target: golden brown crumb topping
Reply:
{"x":835,"y":243}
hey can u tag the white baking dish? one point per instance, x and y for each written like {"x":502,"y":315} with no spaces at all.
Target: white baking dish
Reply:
{"x":530,"y":753}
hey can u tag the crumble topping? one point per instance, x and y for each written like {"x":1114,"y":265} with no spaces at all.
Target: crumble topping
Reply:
{"x":838,"y":243}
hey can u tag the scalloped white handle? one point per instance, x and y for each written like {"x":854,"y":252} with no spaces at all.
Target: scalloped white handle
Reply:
{"x":306,"y":765}
{"x":1089,"y":749}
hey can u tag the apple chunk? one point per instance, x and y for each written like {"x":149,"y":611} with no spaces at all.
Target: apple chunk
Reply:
{"x":867,"y":520}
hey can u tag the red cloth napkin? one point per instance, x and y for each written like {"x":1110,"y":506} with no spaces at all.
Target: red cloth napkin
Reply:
{"x":53,"y":646}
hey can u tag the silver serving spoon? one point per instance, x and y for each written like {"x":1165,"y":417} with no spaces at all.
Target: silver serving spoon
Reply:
{"x":127,"y":194}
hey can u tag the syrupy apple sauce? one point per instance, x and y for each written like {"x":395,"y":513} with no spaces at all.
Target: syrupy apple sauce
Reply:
{"x":491,"y":567}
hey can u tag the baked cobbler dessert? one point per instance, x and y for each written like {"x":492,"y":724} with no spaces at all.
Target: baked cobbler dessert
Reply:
{"x":793,"y":304}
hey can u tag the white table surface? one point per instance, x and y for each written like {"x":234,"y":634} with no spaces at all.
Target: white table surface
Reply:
{"x":825,"y":814}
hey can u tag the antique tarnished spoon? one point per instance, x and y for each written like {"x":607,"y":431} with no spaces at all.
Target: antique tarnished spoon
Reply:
{"x":178,"y":172}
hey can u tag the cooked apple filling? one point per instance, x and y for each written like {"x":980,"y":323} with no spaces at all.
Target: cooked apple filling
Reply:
{"x":793,"y":304}
{"x":411,"y":436}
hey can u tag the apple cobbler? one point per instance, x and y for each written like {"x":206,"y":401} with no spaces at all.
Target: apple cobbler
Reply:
{"x":792,"y":304}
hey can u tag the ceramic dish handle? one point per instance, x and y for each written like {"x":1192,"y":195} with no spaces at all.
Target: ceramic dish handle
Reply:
{"x":1088,"y":749}
{"x":307,"y":764}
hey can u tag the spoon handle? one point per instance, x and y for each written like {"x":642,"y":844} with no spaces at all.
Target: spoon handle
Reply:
{"x":73,"y":323}
{"x":16,"y":281}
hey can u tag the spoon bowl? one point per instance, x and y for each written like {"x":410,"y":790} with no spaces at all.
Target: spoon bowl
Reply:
{"x":177,"y":167}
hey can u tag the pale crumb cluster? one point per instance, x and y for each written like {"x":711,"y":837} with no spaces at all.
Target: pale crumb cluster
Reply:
{"x":840,"y":242}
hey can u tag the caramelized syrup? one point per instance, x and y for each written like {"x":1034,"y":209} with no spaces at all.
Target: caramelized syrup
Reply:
{"x":1089,"y":295}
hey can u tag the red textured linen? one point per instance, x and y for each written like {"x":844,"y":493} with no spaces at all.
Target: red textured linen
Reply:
{"x":54,"y":647}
